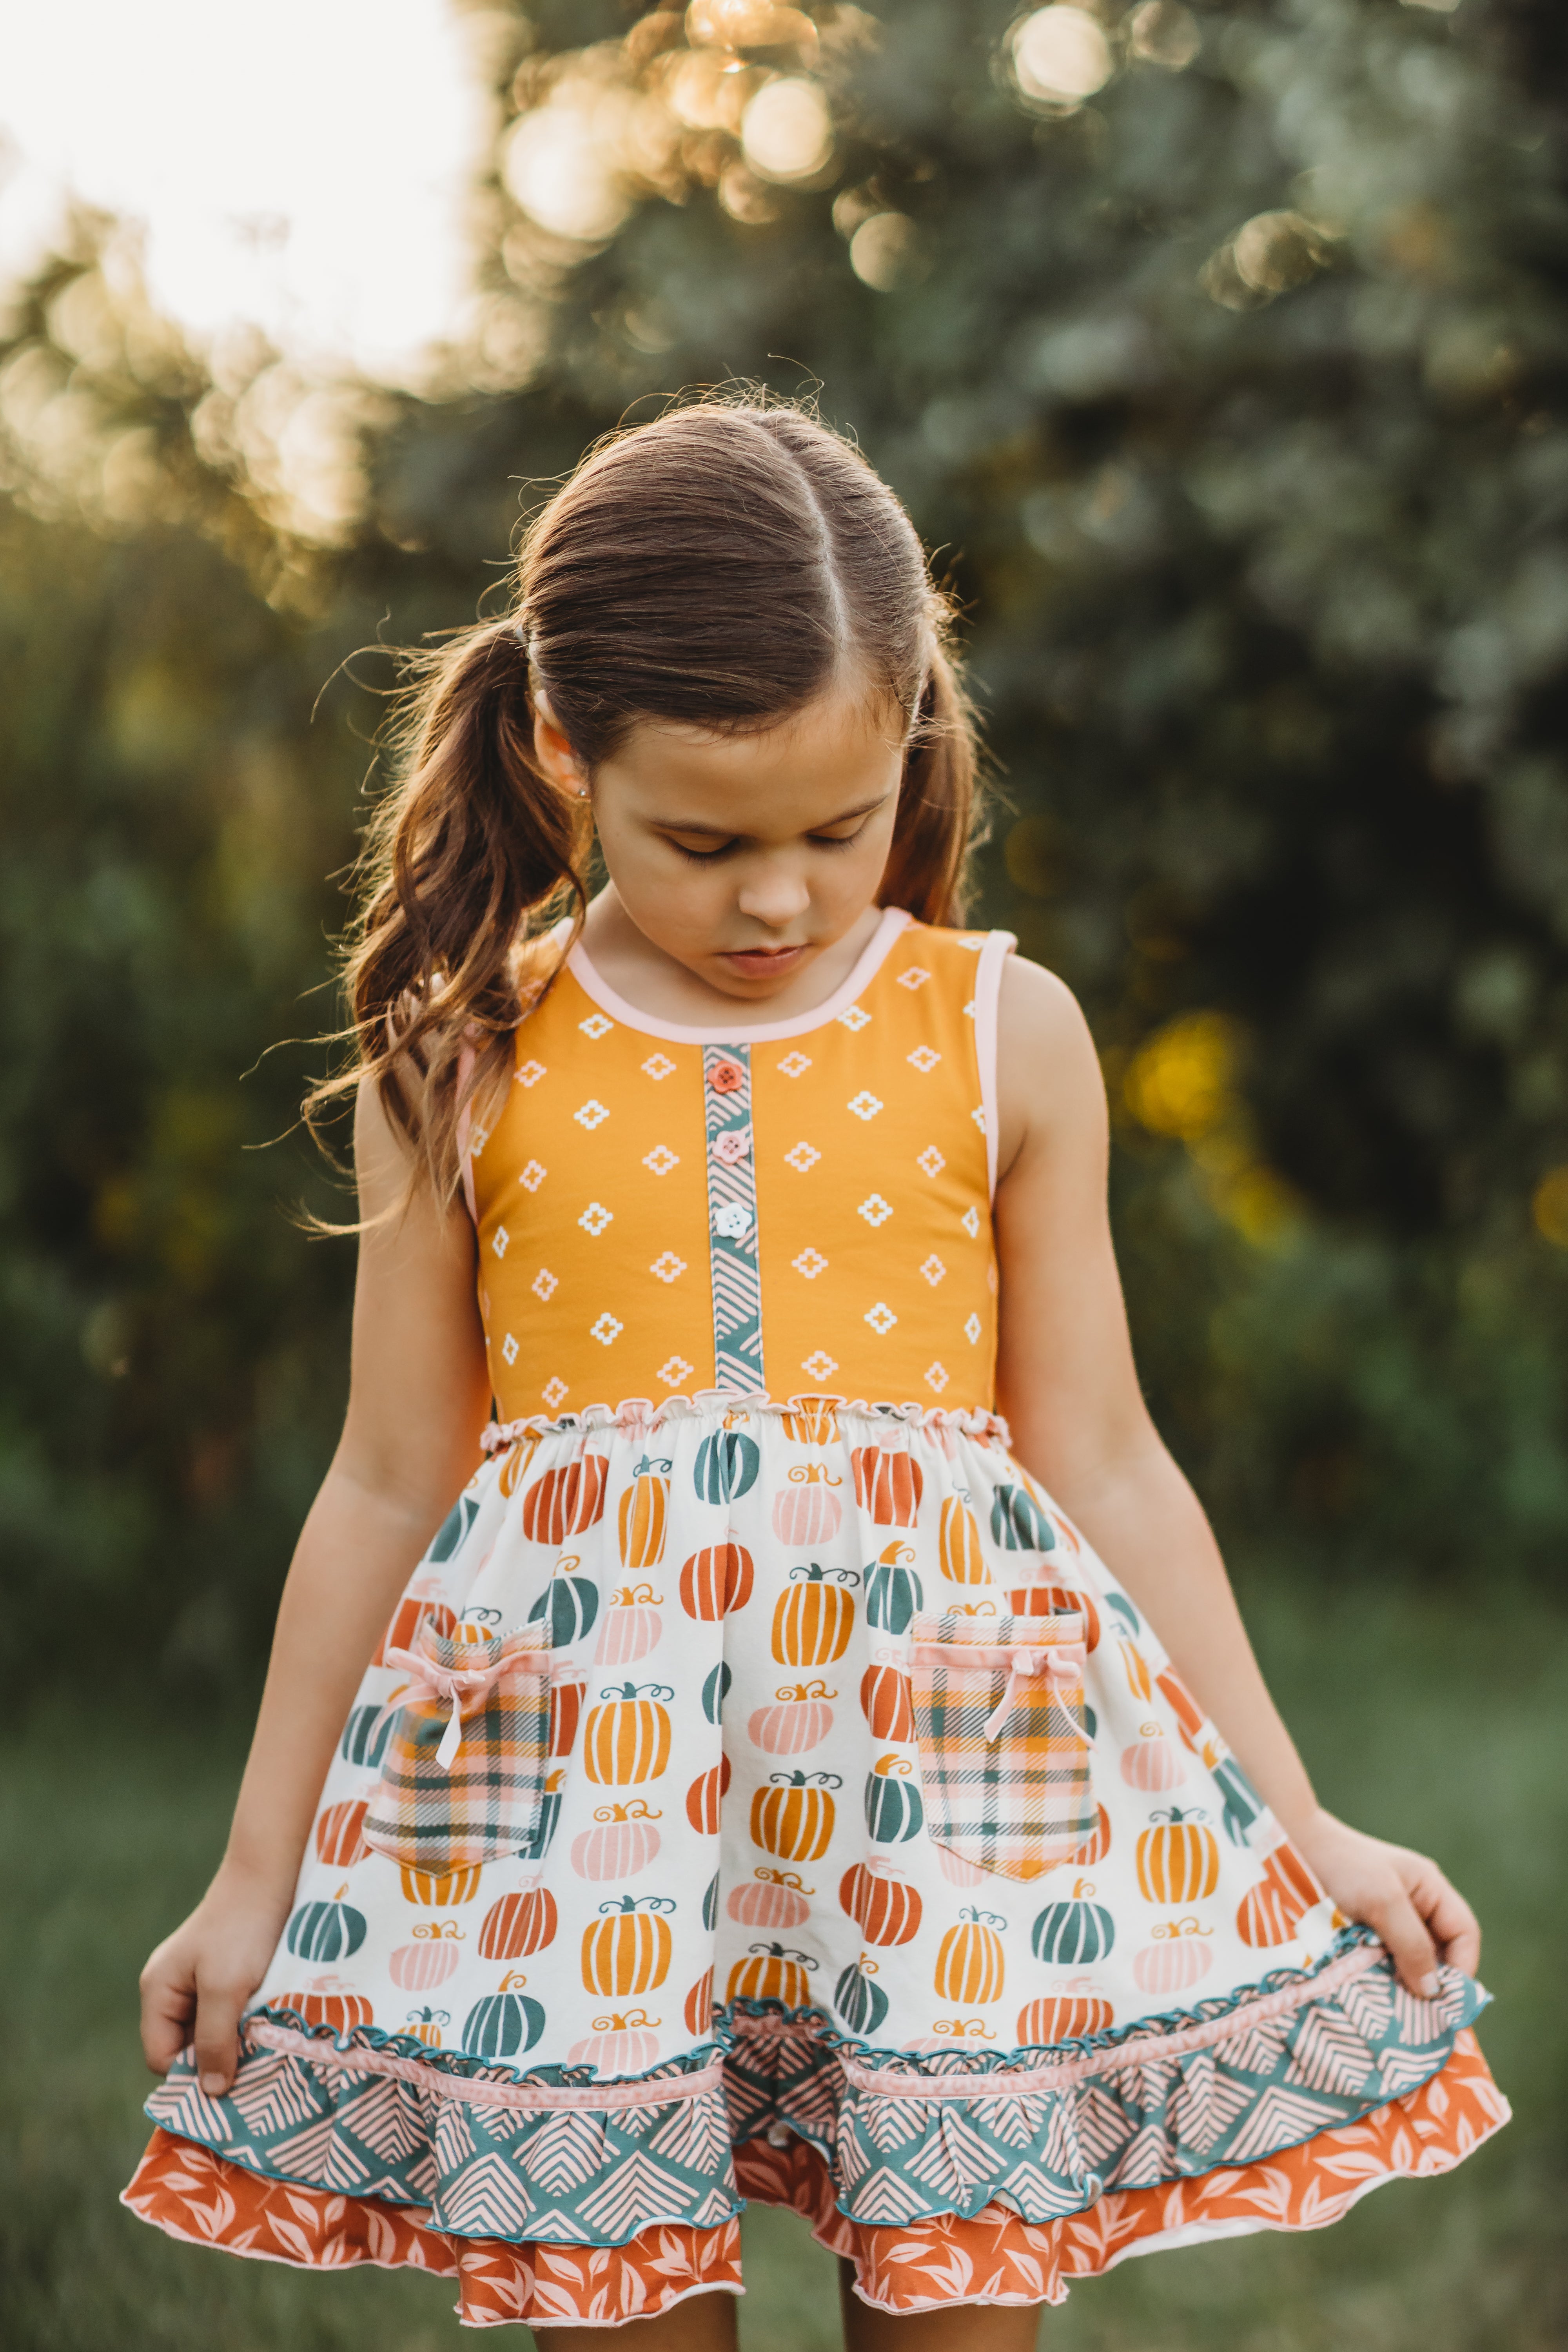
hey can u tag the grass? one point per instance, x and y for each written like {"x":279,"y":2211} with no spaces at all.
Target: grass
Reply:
{"x":1438,"y":1720}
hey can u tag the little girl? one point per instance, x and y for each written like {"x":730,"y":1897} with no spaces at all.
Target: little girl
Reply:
{"x":762,"y":1788}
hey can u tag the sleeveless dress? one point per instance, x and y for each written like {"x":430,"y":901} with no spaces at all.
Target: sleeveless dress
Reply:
{"x":763,"y":1790}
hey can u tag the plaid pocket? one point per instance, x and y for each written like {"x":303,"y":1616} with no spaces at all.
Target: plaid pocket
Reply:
{"x":1004,"y":1751}
{"x":463,"y":1776}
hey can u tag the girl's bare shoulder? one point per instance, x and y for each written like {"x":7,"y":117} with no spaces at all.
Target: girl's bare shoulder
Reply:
{"x":1048,"y":1081}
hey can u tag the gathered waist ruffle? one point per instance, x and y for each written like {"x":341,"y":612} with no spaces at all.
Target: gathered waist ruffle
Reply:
{"x":634,"y":1416}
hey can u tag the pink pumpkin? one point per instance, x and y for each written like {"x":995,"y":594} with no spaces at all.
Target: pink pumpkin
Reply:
{"x":1177,"y":1959}
{"x":954,"y":1869}
{"x":419,"y":1967}
{"x":807,"y":1511}
{"x":771,"y":1898}
{"x":800,"y":1719}
{"x":1154,"y":1762}
{"x":632,"y":1626}
{"x":618,"y":2045}
{"x":624,"y":1843}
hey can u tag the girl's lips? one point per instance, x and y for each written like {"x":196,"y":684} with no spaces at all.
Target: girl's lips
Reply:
{"x":762,"y":962}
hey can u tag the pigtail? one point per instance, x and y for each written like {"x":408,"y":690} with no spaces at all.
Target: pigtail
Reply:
{"x":928,"y":866}
{"x":474,"y":851}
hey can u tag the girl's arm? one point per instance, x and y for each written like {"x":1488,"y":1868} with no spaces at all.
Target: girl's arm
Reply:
{"x":1066,"y":1384}
{"x":418,"y":1396}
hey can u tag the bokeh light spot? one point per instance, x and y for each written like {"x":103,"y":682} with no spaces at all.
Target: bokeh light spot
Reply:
{"x":1061,"y":57}
{"x":886,"y":251}
{"x":785,"y":132}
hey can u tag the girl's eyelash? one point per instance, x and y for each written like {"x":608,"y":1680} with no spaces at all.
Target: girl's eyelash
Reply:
{"x":711,"y":857}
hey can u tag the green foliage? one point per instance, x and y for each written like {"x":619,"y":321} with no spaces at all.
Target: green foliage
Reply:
{"x":1234,"y":397}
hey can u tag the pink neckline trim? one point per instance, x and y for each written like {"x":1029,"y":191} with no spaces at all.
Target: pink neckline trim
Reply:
{"x":895,"y":920}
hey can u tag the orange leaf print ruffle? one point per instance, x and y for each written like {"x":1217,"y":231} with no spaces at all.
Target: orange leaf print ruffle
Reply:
{"x":196,"y":2195}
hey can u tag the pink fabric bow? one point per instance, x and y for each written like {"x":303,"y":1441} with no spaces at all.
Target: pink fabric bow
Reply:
{"x":1058,"y":1661}
{"x":462,"y":1687}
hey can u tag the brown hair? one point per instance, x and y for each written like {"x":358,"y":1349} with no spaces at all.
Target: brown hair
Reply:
{"x":716,"y":567}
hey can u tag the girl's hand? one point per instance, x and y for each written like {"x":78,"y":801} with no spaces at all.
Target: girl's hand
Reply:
{"x":1421,"y":1918}
{"x":205,"y":1973}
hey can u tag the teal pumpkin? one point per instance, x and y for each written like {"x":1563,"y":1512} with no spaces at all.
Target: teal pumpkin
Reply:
{"x":502,"y":2025}
{"x":1071,"y":1932}
{"x":710,"y":1903}
{"x":1018,"y":1522}
{"x":546,"y":1822}
{"x":1124,"y":1614}
{"x":453,"y":1528}
{"x":859,"y":2000}
{"x":326,"y":1931}
{"x":569,"y":1604}
{"x":726,"y":1466}
{"x":1242,"y":1805}
{"x":715,"y":1690}
{"x":893,"y":1808}
{"x":892,"y":1595}
{"x":365,"y":1735}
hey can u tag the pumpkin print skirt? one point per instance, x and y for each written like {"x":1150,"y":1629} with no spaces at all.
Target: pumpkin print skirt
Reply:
{"x":784,"y":1803}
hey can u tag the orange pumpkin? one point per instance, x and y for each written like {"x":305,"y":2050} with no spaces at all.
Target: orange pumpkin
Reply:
{"x":770,"y":1973}
{"x":1062,"y":2016}
{"x":1058,"y":1601}
{"x":566,"y":1500}
{"x":628,"y":1947}
{"x":1178,"y":1860}
{"x":959,"y":1549}
{"x":1097,"y":1844}
{"x":970,"y":1962}
{"x":1189,"y":1715}
{"x":704,"y":1797}
{"x":887,"y":1484}
{"x":698,"y":2007}
{"x":644,"y":1515}
{"x":812,"y":1420}
{"x":887,"y":1699}
{"x":812,"y":1619}
{"x":715,"y":1581}
{"x":1135,"y":1666}
{"x":884,"y":1906}
{"x":792,"y":1817}
{"x":627,"y":1735}
{"x":419,"y":1605}
{"x":565,"y":1713}
{"x":327,"y":2002}
{"x":519,"y":1924}
{"x":440,"y":1894}
{"x":518,"y":1455}
{"x":1270,"y":1912}
{"x":770,"y":1898}
{"x":340,"y":1842}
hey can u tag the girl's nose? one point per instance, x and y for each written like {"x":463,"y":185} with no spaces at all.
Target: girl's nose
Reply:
{"x":774,"y":898}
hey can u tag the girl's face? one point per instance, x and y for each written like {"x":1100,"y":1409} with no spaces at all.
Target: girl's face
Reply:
{"x":744,"y":857}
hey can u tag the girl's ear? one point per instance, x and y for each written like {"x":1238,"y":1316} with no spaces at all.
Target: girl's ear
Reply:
{"x":552,"y":752}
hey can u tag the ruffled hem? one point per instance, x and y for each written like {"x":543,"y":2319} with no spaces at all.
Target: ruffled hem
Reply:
{"x":991,"y":2257}
{"x":634,"y":1415}
{"x":481,"y":2151}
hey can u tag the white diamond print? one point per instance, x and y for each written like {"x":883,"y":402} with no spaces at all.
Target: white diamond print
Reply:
{"x":554,"y":1392}
{"x":509,"y":1349}
{"x":530,"y":1073}
{"x":924,"y":1059}
{"x":936,"y":1377}
{"x":673,"y":1371}
{"x":804,"y":1155}
{"x":596,"y":1026}
{"x":819,"y":1364}
{"x":933,"y":1269}
{"x":970,"y":1221}
{"x":855,"y":1017}
{"x":969,"y":1010}
{"x":971,"y":940}
{"x":811,"y":1263}
{"x":657,"y":1065}
{"x":532,"y":1177}
{"x":544,"y":1283}
{"x":972,"y":1330}
{"x":500,"y":1241}
{"x":794,"y":1065}
{"x":667,"y":1265}
{"x":931,"y":1161}
{"x":595,"y":1217}
{"x":882,"y":1318}
{"x":593,"y":1114}
{"x":875,"y":1210}
{"x":606,"y":1330}
{"x":978,"y":1116}
{"x":865,"y":1105}
{"x":916,"y":977}
{"x":478,"y":1140}
{"x":662,"y":1159}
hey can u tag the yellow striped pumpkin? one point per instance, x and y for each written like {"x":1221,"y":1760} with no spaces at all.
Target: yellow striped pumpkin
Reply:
{"x":963,"y":1560}
{"x":628,"y":1947}
{"x":1178,"y":1859}
{"x":645,"y":1515}
{"x":627,"y":1735}
{"x":813,"y":1618}
{"x":970,"y":1965}
{"x":792,"y":1817}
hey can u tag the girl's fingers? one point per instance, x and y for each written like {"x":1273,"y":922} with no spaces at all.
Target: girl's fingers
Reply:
{"x":167,"y":2004}
{"x":1399,"y":1923}
{"x":218,"y":2036}
{"x":1453,"y":1925}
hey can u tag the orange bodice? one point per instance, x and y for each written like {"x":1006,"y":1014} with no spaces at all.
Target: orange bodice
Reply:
{"x":796,"y":1207}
